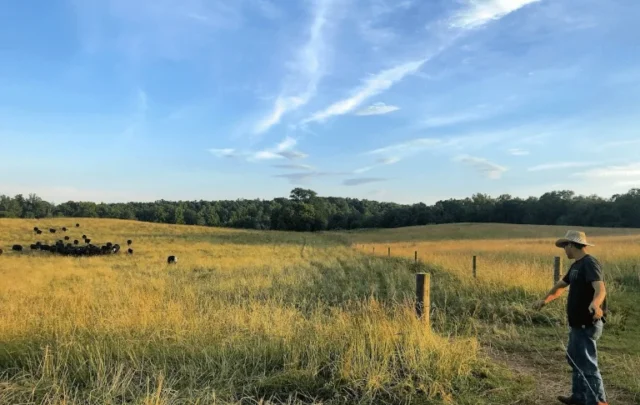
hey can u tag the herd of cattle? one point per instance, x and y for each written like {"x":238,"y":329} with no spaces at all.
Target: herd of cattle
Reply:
{"x":67,"y":248}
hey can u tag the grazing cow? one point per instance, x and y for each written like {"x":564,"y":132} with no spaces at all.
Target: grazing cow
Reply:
{"x":38,"y":244}
{"x":87,"y":241}
{"x":39,"y":232}
{"x":34,"y":247}
{"x":129,"y":242}
{"x":52,"y":230}
{"x":17,"y":248}
{"x":64,"y":229}
{"x":172,"y":259}
{"x":109,"y":245}
{"x":75,"y":242}
{"x":130,"y":251}
{"x":66,"y":238}
{"x":116,"y":248}
{"x":77,"y":225}
{"x":46,"y":248}
{"x":84,"y":236}
{"x":35,"y":229}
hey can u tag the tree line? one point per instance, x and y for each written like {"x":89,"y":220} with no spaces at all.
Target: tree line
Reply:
{"x":304,"y":210}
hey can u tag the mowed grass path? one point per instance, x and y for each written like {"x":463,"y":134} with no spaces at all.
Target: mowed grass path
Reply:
{"x":514,"y":268}
{"x":244,"y":316}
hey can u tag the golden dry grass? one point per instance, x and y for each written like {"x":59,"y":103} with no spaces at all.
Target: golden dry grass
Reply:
{"x":525,"y":262}
{"x":242,"y":315}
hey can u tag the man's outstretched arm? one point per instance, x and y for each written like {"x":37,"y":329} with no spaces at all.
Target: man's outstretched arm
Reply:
{"x":554,"y":293}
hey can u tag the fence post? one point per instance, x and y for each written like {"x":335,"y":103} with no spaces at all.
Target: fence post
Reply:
{"x":423,"y":296}
{"x":556,"y":269}
{"x":415,"y":256}
{"x":374,"y":249}
{"x":389,"y":251}
{"x":475,"y":274}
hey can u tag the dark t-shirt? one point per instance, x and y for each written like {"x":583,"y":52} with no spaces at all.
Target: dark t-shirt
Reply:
{"x":579,"y":277}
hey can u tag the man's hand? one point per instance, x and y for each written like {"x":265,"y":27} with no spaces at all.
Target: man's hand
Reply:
{"x":596,"y":311}
{"x":538,"y":305}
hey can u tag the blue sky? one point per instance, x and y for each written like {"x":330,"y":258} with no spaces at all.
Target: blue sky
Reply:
{"x":394,"y":100}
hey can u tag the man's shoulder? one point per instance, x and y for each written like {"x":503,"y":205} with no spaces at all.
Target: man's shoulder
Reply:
{"x":591,"y":260}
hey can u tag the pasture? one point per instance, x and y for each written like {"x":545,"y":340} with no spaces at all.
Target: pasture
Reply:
{"x":249,"y":317}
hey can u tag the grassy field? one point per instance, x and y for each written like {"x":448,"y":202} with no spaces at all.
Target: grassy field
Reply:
{"x":514,"y":267}
{"x":273,"y":317}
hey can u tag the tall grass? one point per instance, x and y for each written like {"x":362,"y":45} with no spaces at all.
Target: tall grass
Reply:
{"x":277,"y":317}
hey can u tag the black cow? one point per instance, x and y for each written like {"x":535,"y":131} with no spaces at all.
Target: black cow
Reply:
{"x":38,"y":244}
{"x":46,"y":248}
{"x":35,"y":229}
{"x":17,"y":248}
{"x":116,"y":248}
{"x":77,"y":225}
{"x":39,"y":232}
{"x":75,"y":242}
{"x":64,"y":229}
{"x":66,"y":238}
{"x":109,"y":245}
{"x":87,"y":241}
{"x":84,"y":236}
{"x":52,"y":230}
{"x":172,"y":259}
{"x":34,"y":247}
{"x":130,"y":251}
{"x":129,"y":242}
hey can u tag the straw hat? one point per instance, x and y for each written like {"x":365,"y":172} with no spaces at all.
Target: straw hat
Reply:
{"x":573,"y":236}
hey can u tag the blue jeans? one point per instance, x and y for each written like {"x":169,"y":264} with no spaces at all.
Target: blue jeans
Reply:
{"x":582,"y":355}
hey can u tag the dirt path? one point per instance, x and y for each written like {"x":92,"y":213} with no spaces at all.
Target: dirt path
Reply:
{"x":551,"y":373}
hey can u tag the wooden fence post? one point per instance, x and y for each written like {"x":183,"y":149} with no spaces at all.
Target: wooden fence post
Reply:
{"x":475,"y":274}
{"x":415,"y":256}
{"x":389,"y":251}
{"x":374,"y":250}
{"x":556,"y":269}
{"x":423,"y":296}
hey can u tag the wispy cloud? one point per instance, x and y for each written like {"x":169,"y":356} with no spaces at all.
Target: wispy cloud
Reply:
{"x":380,"y":162}
{"x":283,"y":150}
{"x":474,"y":113}
{"x":623,"y":173}
{"x":362,"y":180}
{"x":306,"y":177}
{"x":615,"y":144}
{"x":302,"y":85}
{"x":413,"y":145}
{"x":294,"y":166}
{"x":228,"y":152}
{"x":489,"y":169}
{"x":559,"y":165}
{"x":377,"y":109}
{"x":372,"y":87}
{"x":518,"y":152}
{"x":474,"y":14}
{"x":479,"y":12}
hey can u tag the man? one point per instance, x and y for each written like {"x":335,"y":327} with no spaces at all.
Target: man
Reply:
{"x":586,"y":310}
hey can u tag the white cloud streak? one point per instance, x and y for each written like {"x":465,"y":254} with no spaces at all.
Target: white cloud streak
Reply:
{"x":489,"y":169}
{"x":479,"y":12}
{"x":372,"y":87}
{"x":377,"y":109}
{"x":362,"y":180}
{"x":283,"y":150}
{"x":309,"y":69}
{"x":476,"y":13}
{"x":518,"y":152}
{"x":614,"y":172}
{"x":559,"y":165}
